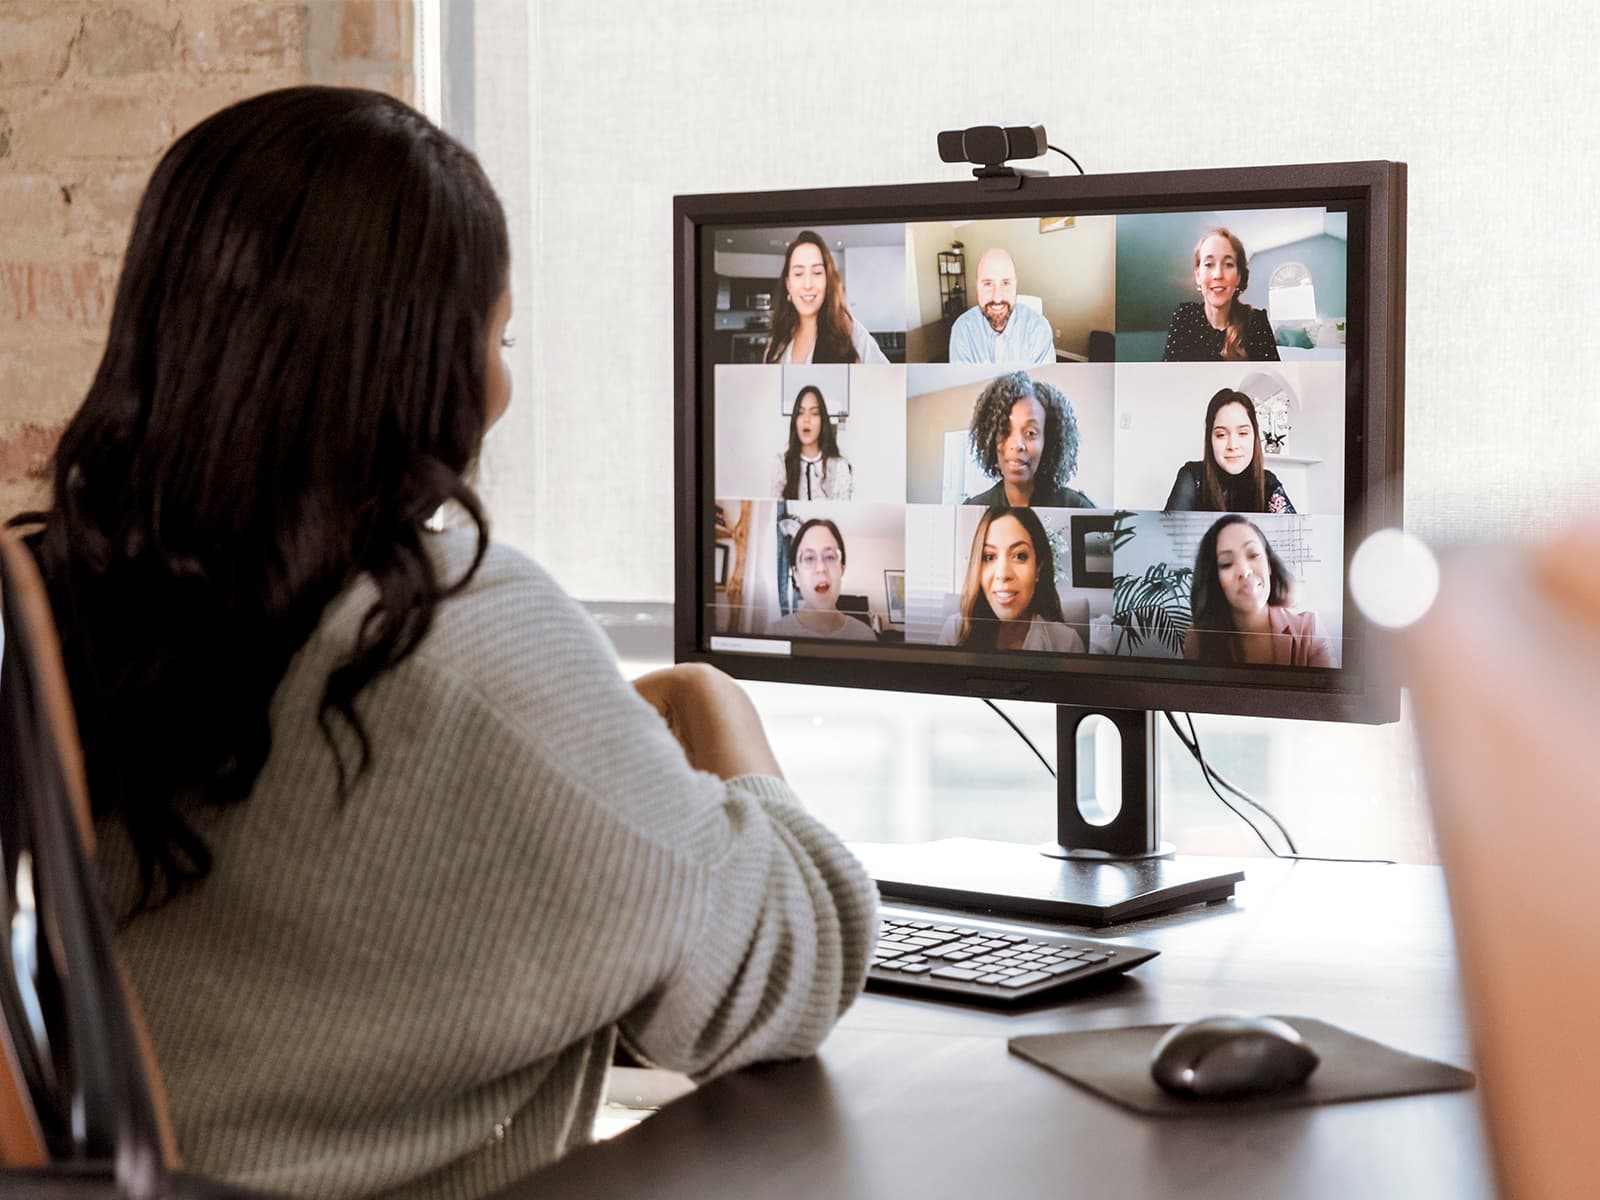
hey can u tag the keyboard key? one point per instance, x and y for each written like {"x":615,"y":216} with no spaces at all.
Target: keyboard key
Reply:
{"x":958,"y":973}
{"x":1023,"y":980}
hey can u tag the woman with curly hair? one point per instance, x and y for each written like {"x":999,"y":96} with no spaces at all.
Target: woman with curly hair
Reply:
{"x":811,"y":322}
{"x":1220,"y":326}
{"x":1009,"y":599}
{"x":399,"y":853}
{"x":1231,"y":476}
{"x":1239,"y":601}
{"x":1025,"y":436}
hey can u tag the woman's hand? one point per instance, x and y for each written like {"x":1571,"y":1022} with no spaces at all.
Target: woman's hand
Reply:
{"x":712,"y":719}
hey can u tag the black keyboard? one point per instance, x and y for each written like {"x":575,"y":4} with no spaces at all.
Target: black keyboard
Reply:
{"x":955,"y":961}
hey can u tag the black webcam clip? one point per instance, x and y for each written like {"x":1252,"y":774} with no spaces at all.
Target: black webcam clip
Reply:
{"x":990,"y":146}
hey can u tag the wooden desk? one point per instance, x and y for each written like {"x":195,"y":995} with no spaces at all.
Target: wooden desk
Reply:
{"x":913,"y":1098}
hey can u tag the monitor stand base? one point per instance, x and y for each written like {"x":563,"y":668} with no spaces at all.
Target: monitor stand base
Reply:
{"x":1008,"y":879}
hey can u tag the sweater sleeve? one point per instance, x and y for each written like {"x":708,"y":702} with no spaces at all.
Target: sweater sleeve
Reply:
{"x":785,"y":904}
{"x":729,"y":926}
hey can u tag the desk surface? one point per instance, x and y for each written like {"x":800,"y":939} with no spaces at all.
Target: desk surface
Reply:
{"x":918,"y":1098}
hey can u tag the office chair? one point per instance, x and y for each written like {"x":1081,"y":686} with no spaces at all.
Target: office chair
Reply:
{"x":82,"y":1114}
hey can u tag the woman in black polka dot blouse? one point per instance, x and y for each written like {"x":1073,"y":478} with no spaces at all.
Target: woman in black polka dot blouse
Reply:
{"x":1221,"y":326}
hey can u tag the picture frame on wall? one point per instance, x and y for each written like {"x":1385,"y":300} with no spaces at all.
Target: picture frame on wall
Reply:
{"x":894,"y":588}
{"x":1091,"y":551}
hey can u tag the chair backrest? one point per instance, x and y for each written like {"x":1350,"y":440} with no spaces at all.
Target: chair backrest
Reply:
{"x":78,"y":1083}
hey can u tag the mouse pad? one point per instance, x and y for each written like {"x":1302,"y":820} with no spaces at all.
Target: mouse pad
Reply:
{"x":1115,"y":1064}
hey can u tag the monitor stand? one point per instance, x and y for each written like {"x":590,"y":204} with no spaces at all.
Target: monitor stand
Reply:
{"x":1107,"y":864}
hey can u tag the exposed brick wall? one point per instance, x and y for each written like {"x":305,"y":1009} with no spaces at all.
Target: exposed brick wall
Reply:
{"x":91,"y":94}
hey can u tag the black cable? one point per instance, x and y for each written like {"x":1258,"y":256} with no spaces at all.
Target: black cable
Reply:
{"x":1212,"y":778}
{"x":1206,"y":771}
{"x":1018,"y":731}
{"x":1191,"y":743}
{"x":1065,"y":155}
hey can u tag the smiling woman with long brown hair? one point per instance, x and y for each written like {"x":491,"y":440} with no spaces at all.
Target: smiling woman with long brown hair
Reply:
{"x":1220,"y":326}
{"x":811,"y":321}
{"x":1009,"y":599}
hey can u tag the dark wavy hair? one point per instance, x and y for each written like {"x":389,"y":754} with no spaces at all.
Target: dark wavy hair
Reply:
{"x":1239,"y":313}
{"x":834,"y":326}
{"x":1211,"y":615}
{"x":991,"y":420}
{"x":827,"y":443}
{"x":979,"y":629}
{"x":1219,"y":491}
{"x":294,"y":381}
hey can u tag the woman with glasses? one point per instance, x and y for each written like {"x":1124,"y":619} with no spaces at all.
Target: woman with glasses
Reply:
{"x":817,"y":555}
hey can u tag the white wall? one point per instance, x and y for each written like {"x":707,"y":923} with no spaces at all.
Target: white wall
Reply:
{"x":631,"y":104}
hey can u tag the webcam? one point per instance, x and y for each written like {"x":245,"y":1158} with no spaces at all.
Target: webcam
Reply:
{"x":990,"y":146}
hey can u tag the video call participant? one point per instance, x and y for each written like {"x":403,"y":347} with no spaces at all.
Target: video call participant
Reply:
{"x":817,"y":554}
{"x":1231,"y":477}
{"x":1025,"y":435}
{"x":812,"y":467}
{"x":342,"y":766}
{"x":1220,"y":326}
{"x":1009,"y":599}
{"x":996,"y":330}
{"x":1239,"y":604}
{"x":811,"y":321}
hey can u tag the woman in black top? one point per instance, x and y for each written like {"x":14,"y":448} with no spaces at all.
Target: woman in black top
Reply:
{"x":1025,"y":436}
{"x":1221,"y":326}
{"x":1231,"y":477}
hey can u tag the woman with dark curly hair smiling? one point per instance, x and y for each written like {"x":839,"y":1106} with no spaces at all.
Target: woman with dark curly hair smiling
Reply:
{"x":1025,"y":436}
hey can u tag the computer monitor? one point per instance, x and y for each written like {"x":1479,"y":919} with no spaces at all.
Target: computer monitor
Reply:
{"x":1103,"y":441}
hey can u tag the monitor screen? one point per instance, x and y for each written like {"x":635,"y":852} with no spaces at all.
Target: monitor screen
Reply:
{"x":1102,"y":440}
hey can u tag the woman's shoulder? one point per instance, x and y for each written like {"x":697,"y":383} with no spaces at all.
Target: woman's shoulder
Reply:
{"x":1186,"y":311}
{"x":1299,"y":624}
{"x":511,"y":615}
{"x":950,"y":630}
{"x":1065,"y":497}
{"x":1055,"y":636}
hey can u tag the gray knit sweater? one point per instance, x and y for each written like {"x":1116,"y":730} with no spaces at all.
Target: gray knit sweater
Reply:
{"x":416,"y":993}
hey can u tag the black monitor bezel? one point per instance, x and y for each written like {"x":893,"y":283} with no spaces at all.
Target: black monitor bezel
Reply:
{"x":1375,"y":372}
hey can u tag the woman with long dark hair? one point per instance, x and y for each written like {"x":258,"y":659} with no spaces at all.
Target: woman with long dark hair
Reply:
{"x":811,"y":468}
{"x":397,"y":849}
{"x":1220,"y":326}
{"x":811,"y":321}
{"x":1231,"y":476}
{"x":1239,"y":599}
{"x":1009,"y":599}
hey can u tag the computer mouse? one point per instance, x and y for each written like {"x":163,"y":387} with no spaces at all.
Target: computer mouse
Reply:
{"x":1230,"y":1056}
